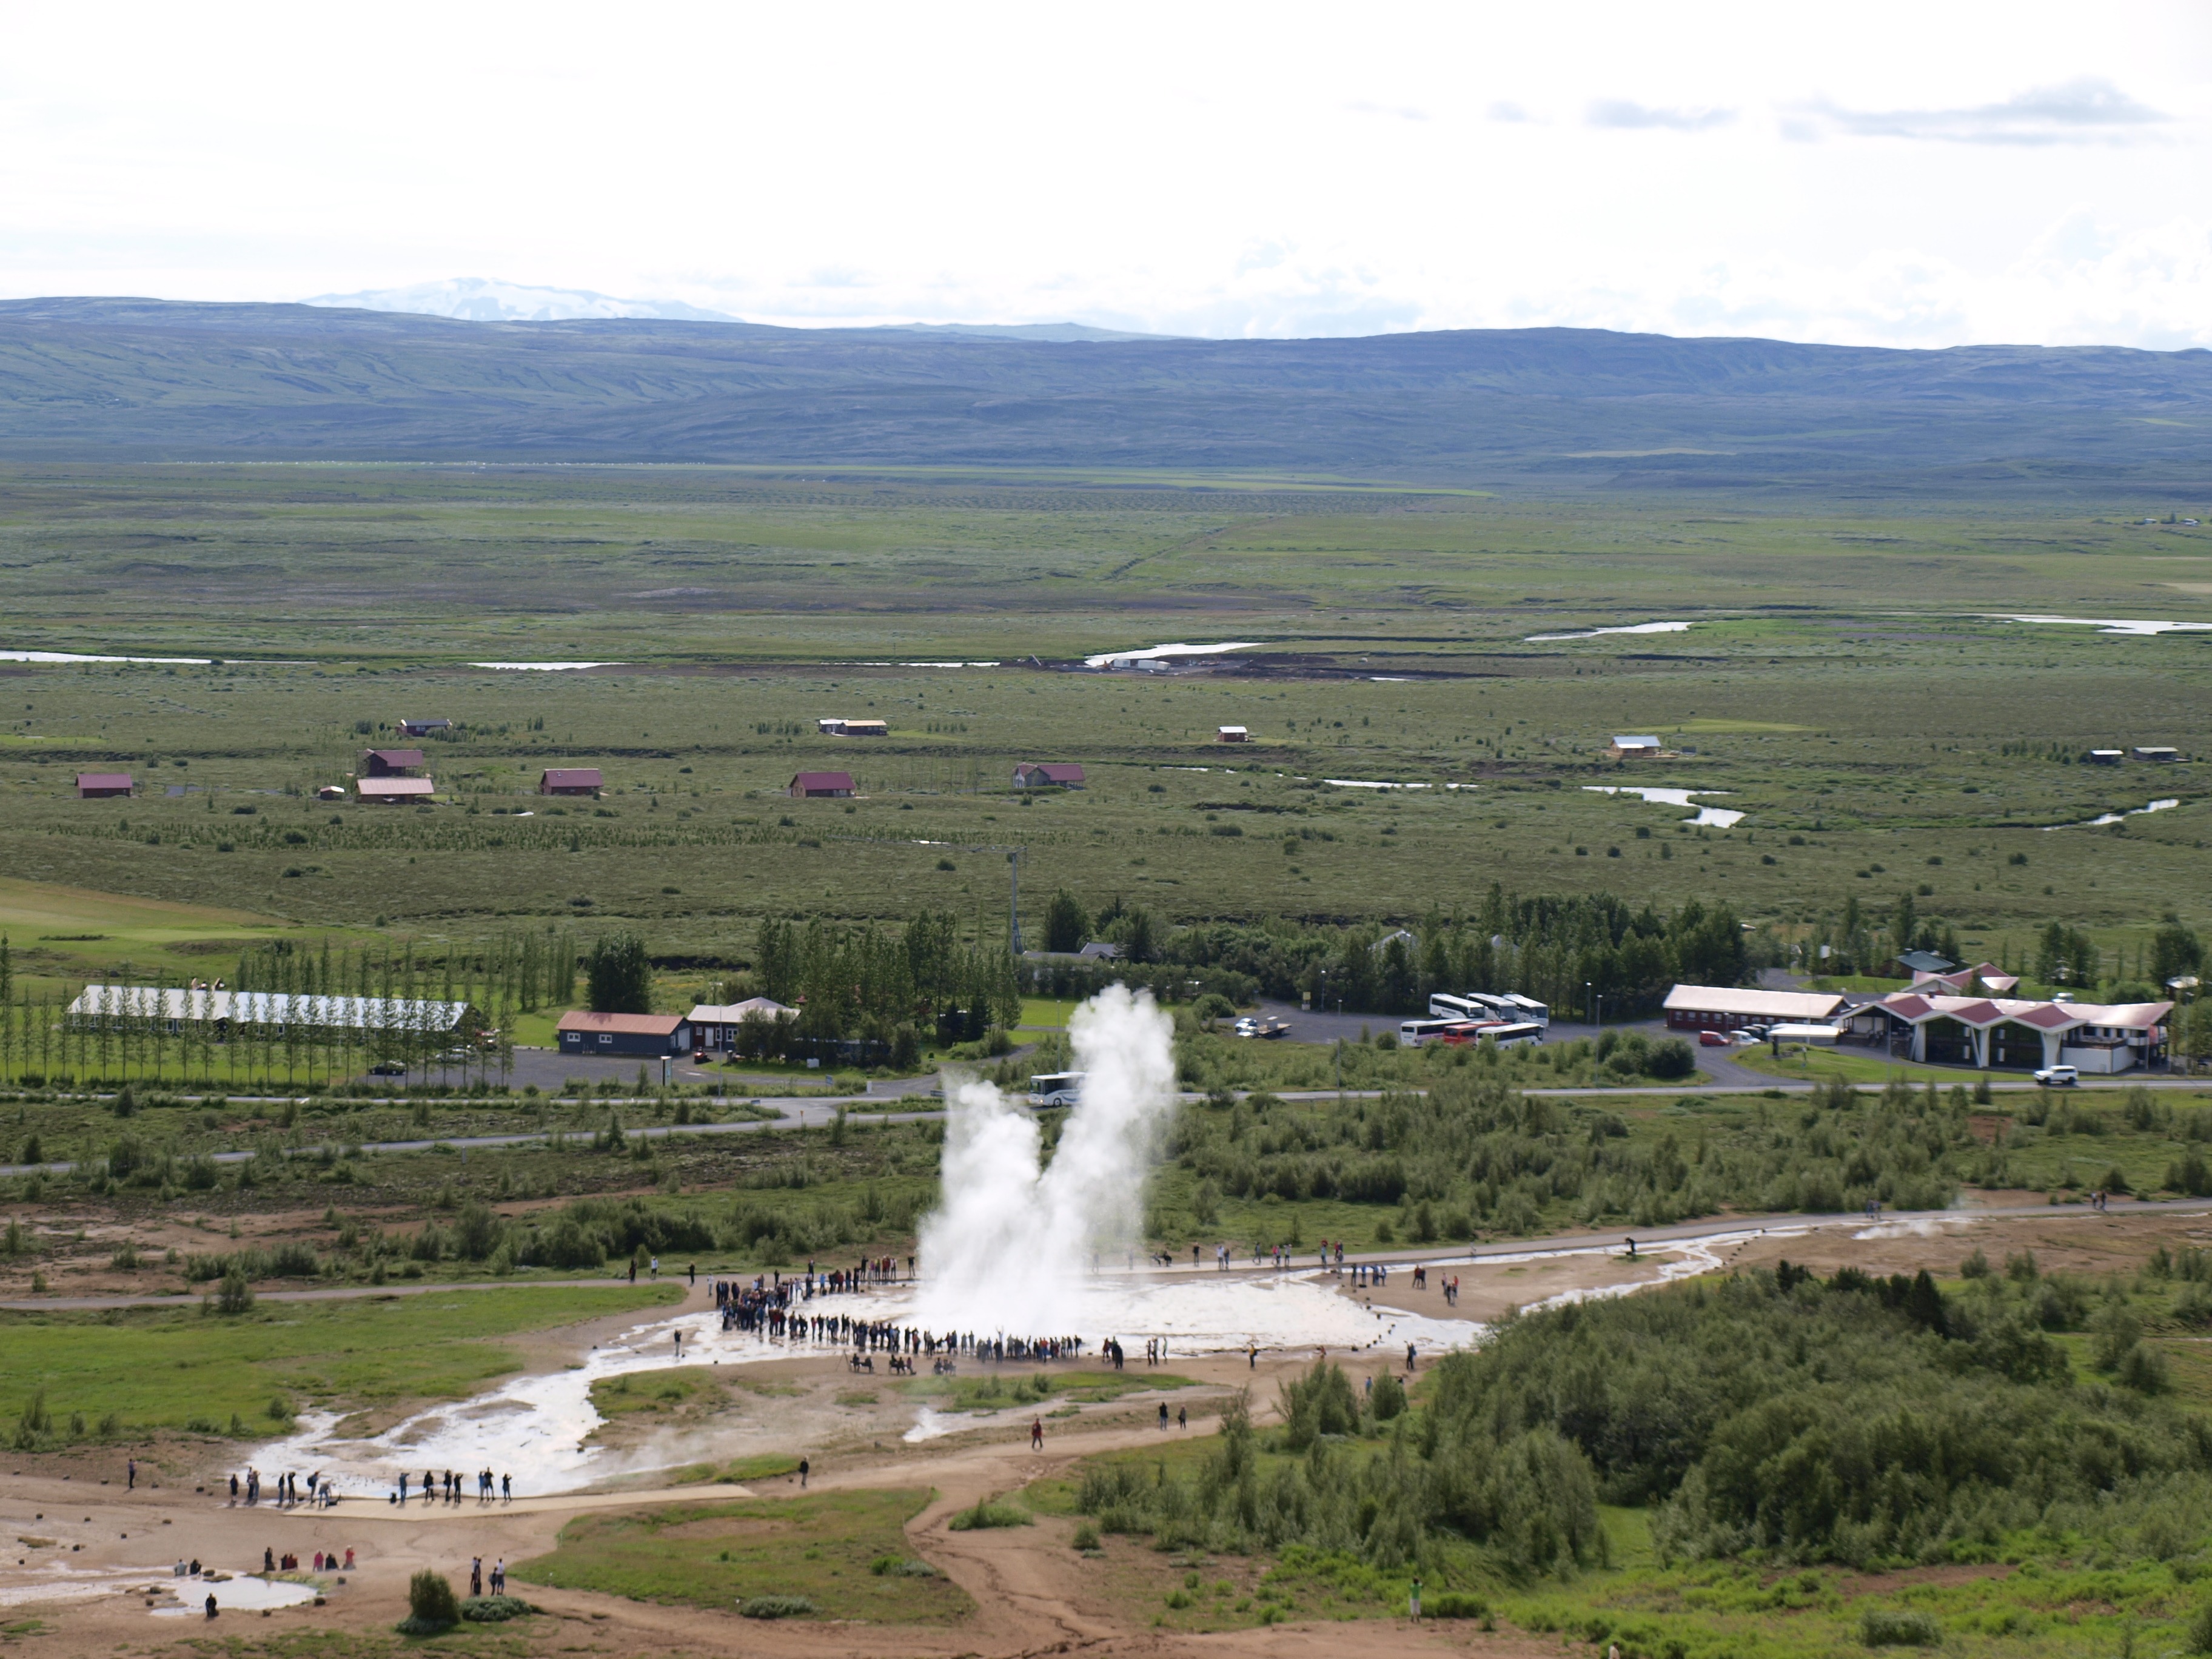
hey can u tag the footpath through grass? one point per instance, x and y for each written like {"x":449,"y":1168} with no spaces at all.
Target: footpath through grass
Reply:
{"x":846,"y":1552}
{"x":129,"y":1370}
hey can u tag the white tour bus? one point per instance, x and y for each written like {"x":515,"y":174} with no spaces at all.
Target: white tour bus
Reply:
{"x":1505,"y":1037}
{"x":1489,"y":1005}
{"x":1056,"y":1087}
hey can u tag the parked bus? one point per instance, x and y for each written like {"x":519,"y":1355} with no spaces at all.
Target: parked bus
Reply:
{"x":1488,"y":1004}
{"x":1510,"y":1035}
{"x":1412,"y":1033}
{"x":1470,"y":1005}
{"x":1056,"y":1087}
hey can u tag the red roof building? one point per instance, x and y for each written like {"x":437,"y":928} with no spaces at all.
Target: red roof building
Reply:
{"x":819,"y":786}
{"x":2012,"y":1034}
{"x":570,"y":780}
{"x":583,"y":1033}
{"x":99,"y":786}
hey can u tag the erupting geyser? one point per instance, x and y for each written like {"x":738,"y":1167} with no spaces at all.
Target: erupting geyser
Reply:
{"x":1010,"y":1244}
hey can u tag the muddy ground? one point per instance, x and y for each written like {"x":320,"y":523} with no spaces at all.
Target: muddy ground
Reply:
{"x":1033,"y":1594}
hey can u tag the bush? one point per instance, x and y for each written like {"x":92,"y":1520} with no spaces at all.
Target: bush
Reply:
{"x":989,"y":1514}
{"x":235,"y":1295}
{"x":1388,"y":1398}
{"x":2199,"y":1634}
{"x":1455,"y":1604}
{"x":1671,"y":1057}
{"x":494,"y":1609}
{"x":895,"y":1566}
{"x":1086,"y":1537}
{"x":430,"y":1604}
{"x":1898,"y":1628}
{"x":775,"y":1607}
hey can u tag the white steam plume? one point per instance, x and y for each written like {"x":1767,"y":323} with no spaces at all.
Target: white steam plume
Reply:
{"x":1009,"y":1247}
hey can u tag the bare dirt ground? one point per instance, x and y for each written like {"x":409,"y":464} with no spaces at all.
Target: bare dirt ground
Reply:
{"x":1033,"y":1594}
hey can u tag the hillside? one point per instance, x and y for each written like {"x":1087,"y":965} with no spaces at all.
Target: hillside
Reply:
{"x":146,"y":380}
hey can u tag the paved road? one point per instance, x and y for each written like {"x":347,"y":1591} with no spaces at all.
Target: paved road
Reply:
{"x":1647,"y":1239}
{"x":816,"y":1111}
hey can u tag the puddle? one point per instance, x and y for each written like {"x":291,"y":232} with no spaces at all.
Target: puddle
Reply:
{"x":2100,"y":822}
{"x":1717,"y":817}
{"x":1369,"y":783}
{"x":1168,"y":652}
{"x":2121,"y":628}
{"x":544,"y":667}
{"x":244,"y":1594}
{"x":74,"y":656}
{"x":1592,"y":633}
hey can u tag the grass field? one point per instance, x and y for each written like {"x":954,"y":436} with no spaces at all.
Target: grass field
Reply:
{"x":157,"y":1368}
{"x":1841,"y":685}
{"x":711,"y":1556}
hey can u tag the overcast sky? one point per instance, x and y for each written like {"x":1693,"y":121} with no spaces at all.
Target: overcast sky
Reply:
{"x":1913,"y":174}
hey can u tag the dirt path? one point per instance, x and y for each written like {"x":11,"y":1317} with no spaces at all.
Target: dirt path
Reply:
{"x":1034,"y":1594}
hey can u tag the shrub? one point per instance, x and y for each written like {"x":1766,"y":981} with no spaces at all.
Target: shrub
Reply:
{"x":775,"y":1607}
{"x":1388,"y":1397}
{"x":894,"y":1566}
{"x":1086,"y":1537}
{"x":1898,"y":1628}
{"x":2199,"y":1634}
{"x":234,"y":1297}
{"x":494,"y":1609}
{"x":430,"y":1604}
{"x":1455,"y":1604}
{"x":989,"y":1514}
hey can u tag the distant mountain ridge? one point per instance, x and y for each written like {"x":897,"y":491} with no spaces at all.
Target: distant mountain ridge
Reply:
{"x":1548,"y":408}
{"x":479,"y":299}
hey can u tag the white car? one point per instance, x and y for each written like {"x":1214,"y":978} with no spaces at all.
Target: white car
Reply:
{"x":2058,"y":1077}
{"x":1247,"y":1027}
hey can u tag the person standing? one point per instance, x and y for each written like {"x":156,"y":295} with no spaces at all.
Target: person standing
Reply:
{"x":1036,"y":1434}
{"x":130,"y":1468}
{"x":802,"y":1474}
{"x":1417,"y":1609}
{"x":476,"y":1577}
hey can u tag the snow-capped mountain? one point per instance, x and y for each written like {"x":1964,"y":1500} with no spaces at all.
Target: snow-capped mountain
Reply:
{"x":474,"y":299}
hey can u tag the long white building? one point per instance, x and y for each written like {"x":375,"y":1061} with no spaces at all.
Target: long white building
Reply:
{"x":98,"y":1004}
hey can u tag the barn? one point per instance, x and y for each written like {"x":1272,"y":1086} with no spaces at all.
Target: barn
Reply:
{"x":390,"y":763}
{"x":570,"y":780}
{"x":1048,"y":774}
{"x":392,"y":792}
{"x":820,"y":786}
{"x":624,"y":1034}
{"x":101,"y":786}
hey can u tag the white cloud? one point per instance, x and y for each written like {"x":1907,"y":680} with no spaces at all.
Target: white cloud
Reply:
{"x":2013,"y":169}
{"x":1622,"y":112}
{"x":2086,"y":110}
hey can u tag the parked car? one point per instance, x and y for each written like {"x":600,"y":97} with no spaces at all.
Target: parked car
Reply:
{"x":1247,"y":1027}
{"x":1747,"y":1035}
{"x":1714,"y":1039}
{"x":387,"y":1068}
{"x":2058,"y":1077}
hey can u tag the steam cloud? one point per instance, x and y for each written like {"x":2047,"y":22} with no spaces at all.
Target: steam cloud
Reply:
{"x":1009,"y":1244}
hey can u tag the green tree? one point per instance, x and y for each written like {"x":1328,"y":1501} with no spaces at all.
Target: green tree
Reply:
{"x":1066,"y":923}
{"x":618,"y":976}
{"x":2175,"y":951}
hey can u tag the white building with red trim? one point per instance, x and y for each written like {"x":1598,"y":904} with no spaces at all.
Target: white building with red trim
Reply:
{"x":2009,"y":1033}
